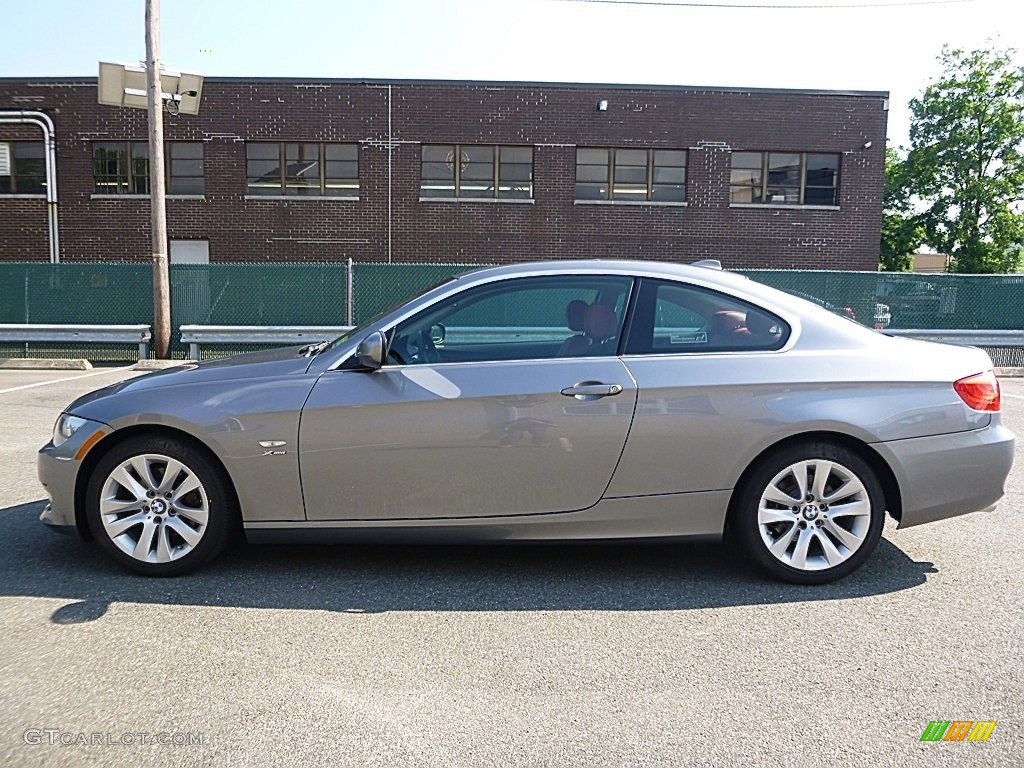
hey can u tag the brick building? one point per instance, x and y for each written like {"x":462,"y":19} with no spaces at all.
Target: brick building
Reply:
{"x":300,"y":170}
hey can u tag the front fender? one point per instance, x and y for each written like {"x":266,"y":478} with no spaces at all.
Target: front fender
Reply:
{"x":231,"y":419}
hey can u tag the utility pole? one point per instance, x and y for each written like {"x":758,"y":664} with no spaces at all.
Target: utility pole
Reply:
{"x":157,"y":191}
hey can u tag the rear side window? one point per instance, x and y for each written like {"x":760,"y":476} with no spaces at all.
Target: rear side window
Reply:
{"x":672,"y":318}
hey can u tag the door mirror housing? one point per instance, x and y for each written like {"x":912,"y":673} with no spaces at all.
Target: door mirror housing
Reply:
{"x":370,"y":352}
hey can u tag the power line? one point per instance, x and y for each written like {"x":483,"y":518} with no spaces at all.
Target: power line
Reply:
{"x":776,"y":6}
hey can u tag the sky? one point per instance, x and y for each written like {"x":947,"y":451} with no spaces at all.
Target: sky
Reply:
{"x":892,"y":48}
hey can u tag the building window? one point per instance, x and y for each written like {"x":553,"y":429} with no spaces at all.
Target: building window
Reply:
{"x":27,"y":169}
{"x":643,"y":175}
{"x":122,"y":167}
{"x":302,"y":169}
{"x":114,"y":174}
{"x":185,"y":168}
{"x":784,"y":178}
{"x":481,"y":172}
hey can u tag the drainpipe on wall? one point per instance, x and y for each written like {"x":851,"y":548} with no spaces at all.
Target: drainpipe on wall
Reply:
{"x":44,"y":123}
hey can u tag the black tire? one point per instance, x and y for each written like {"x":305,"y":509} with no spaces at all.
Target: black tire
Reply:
{"x":744,"y":528}
{"x":222,"y":521}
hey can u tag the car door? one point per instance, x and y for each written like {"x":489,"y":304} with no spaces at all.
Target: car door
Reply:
{"x":504,"y":399}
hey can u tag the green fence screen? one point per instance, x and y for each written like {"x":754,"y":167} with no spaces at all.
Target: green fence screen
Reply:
{"x":908,"y":300}
{"x":325,"y":294}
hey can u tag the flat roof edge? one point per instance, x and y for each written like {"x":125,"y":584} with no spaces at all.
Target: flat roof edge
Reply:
{"x":482,"y":83}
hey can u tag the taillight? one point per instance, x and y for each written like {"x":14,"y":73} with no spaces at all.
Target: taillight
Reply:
{"x":980,"y":391}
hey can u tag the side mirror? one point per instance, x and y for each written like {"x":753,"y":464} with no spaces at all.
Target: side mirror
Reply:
{"x":370,"y":352}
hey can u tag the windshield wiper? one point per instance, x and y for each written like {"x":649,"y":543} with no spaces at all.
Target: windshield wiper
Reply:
{"x":312,"y":350}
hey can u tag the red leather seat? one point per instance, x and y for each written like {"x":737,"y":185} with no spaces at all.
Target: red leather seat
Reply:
{"x":727,"y":325}
{"x":597,"y":322}
{"x":576,"y":320}
{"x":601,"y":322}
{"x":762,"y":327}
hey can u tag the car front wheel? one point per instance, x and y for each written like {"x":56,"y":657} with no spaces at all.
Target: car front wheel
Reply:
{"x":810,"y":514}
{"x":160,"y":506}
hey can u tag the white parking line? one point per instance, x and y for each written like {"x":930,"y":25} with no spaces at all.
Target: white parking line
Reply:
{"x":66,"y":378}
{"x":1015,"y":397}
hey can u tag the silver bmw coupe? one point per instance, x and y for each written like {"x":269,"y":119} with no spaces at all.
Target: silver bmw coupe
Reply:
{"x":584,"y":400}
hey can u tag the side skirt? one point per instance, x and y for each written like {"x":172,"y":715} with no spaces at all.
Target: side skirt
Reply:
{"x":667,"y":516}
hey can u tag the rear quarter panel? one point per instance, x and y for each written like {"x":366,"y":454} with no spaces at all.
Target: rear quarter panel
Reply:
{"x":702,"y":419}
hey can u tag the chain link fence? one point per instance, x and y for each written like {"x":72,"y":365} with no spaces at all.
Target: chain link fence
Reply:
{"x":340,"y":294}
{"x":202,"y":294}
{"x":909,"y":300}
{"x":377,"y":287}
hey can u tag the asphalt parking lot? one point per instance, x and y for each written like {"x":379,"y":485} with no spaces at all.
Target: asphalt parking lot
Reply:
{"x":388,"y":656}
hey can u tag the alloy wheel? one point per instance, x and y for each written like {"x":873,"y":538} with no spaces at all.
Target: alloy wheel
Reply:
{"x":154,"y":508}
{"x":814,"y":515}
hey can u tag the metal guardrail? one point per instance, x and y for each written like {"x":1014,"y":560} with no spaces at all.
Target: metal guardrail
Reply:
{"x":197,"y":335}
{"x":113,"y":334}
{"x":980,"y":338}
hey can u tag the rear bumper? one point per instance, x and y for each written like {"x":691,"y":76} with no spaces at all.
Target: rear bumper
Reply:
{"x":948,"y":475}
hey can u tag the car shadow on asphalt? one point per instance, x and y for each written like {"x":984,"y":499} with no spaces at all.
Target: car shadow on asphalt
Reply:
{"x":369,"y":579}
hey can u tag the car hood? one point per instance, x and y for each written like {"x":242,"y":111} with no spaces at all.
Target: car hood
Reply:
{"x":252,"y":365}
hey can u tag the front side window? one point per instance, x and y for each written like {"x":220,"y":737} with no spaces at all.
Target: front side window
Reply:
{"x":673,"y":318}
{"x":306,"y":169}
{"x":643,"y":175}
{"x":27,"y":169}
{"x":530,"y":318}
{"x":468,"y":171}
{"x":122,"y":167}
{"x":784,"y":178}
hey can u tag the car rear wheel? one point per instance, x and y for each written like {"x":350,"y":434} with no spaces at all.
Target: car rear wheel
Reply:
{"x":159,"y":506}
{"x":810,"y":513}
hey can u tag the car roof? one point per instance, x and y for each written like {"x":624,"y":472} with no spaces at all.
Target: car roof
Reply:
{"x":612,"y":267}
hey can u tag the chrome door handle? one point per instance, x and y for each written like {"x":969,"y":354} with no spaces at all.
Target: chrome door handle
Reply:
{"x":591,"y":390}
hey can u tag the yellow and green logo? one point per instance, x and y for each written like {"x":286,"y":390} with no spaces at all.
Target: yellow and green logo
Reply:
{"x":958,"y":730}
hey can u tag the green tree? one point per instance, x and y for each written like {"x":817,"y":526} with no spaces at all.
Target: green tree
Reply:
{"x":902,"y":232}
{"x":965,"y":164}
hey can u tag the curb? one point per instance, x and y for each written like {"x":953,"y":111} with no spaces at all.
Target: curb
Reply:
{"x":1010,"y":373}
{"x":159,"y":365}
{"x":45,"y":363}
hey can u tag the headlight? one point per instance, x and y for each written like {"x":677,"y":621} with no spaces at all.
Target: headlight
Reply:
{"x":65,"y":427}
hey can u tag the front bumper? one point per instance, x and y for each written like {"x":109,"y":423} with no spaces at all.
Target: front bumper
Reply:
{"x":58,"y":468}
{"x":948,"y":475}
{"x":56,"y":522}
